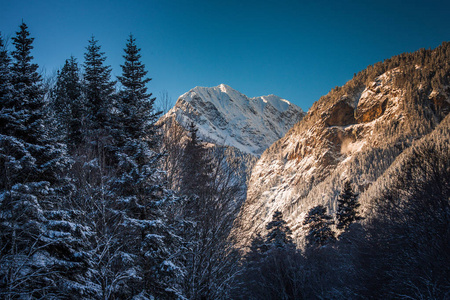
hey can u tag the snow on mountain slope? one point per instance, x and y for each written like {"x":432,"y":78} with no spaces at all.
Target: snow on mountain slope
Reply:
{"x":224,"y":116}
{"x":353,"y":133}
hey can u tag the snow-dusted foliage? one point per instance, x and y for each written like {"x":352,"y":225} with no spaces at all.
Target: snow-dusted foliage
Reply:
{"x":92,"y":225}
{"x":67,"y":102}
{"x":212,"y":199}
{"x":354,"y":133}
{"x":40,"y":246}
{"x":347,"y":211}
{"x":318,"y":226}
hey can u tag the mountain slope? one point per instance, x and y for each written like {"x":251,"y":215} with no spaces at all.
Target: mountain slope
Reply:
{"x":226,"y":117}
{"x":354,"y":133}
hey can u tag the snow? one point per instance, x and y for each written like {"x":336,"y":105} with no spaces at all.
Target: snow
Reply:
{"x":225,"y":116}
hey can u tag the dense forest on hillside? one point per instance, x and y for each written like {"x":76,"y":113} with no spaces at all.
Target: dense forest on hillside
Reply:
{"x":87,"y":210}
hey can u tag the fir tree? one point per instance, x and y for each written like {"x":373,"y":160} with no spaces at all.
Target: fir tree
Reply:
{"x":99,"y":88}
{"x":196,"y":166}
{"x":318,"y":223}
{"x":27,"y":93}
{"x":145,"y":236}
{"x":347,"y":207}
{"x":136,"y":106}
{"x":68,"y":102}
{"x":279,"y":234}
{"x":38,"y":257}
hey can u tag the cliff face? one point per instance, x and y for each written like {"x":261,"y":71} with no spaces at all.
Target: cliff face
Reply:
{"x":354,"y":133}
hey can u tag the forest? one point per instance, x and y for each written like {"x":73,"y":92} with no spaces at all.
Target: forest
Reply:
{"x":94,"y":204}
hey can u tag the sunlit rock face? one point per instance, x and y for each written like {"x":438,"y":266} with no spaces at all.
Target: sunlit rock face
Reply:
{"x":354,"y":133}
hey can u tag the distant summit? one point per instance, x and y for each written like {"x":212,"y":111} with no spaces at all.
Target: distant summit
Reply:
{"x":227,"y":117}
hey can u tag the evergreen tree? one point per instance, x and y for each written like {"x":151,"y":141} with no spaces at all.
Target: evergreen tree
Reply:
{"x":270,"y":269}
{"x":196,"y":166}
{"x":5,"y":78}
{"x":27,"y":93}
{"x":68,"y":103}
{"x":99,"y":88}
{"x":318,"y":223}
{"x":40,"y":246}
{"x":136,"y":106}
{"x":145,"y":238}
{"x":347,"y":207}
{"x":279,"y":234}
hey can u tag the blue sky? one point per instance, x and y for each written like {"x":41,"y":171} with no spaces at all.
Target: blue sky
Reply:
{"x":298,"y":50}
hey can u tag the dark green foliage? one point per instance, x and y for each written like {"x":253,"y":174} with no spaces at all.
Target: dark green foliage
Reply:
{"x":318,"y":223}
{"x":347,"y":207}
{"x":144,"y":234}
{"x":39,"y":243}
{"x":136,"y":106}
{"x":98,"y":87}
{"x":68,"y":103}
{"x":278,"y":233}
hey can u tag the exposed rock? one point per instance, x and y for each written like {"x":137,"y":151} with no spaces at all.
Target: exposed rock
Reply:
{"x":340,"y":114}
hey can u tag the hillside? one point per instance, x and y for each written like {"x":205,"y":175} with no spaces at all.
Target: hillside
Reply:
{"x":355,"y":133}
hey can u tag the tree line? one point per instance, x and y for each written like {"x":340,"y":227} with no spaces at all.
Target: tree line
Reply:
{"x":87,"y":210}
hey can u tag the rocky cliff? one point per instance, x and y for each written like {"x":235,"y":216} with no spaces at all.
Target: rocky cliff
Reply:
{"x":355,"y":133}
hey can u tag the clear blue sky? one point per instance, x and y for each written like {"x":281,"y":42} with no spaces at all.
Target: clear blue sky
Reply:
{"x":298,"y":50}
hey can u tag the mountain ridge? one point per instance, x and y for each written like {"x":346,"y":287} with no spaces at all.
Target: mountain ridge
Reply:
{"x":227,"y":117}
{"x":354,"y":133}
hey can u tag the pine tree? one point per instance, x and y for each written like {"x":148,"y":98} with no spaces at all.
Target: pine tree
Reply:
{"x":68,"y":103}
{"x":269,"y":270}
{"x":145,"y":237}
{"x":279,"y":234}
{"x":136,"y":106}
{"x":40,"y":245}
{"x":196,"y":166}
{"x":99,"y":88}
{"x":5,"y":78}
{"x":27,"y":93}
{"x":318,"y":223}
{"x":347,"y":207}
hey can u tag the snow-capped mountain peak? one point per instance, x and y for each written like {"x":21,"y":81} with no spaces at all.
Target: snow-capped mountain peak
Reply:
{"x":225,"y":116}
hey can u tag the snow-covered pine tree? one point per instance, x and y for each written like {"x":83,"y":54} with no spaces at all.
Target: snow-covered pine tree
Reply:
{"x":270,"y":269}
{"x":135,"y":105}
{"x":40,"y":247}
{"x":68,"y":103}
{"x":148,"y":241}
{"x":279,"y":234}
{"x":98,"y":91}
{"x":348,"y":205}
{"x":317,"y":224}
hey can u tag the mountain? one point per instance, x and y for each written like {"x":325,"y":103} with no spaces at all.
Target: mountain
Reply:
{"x":356,"y":132}
{"x":226,"y":117}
